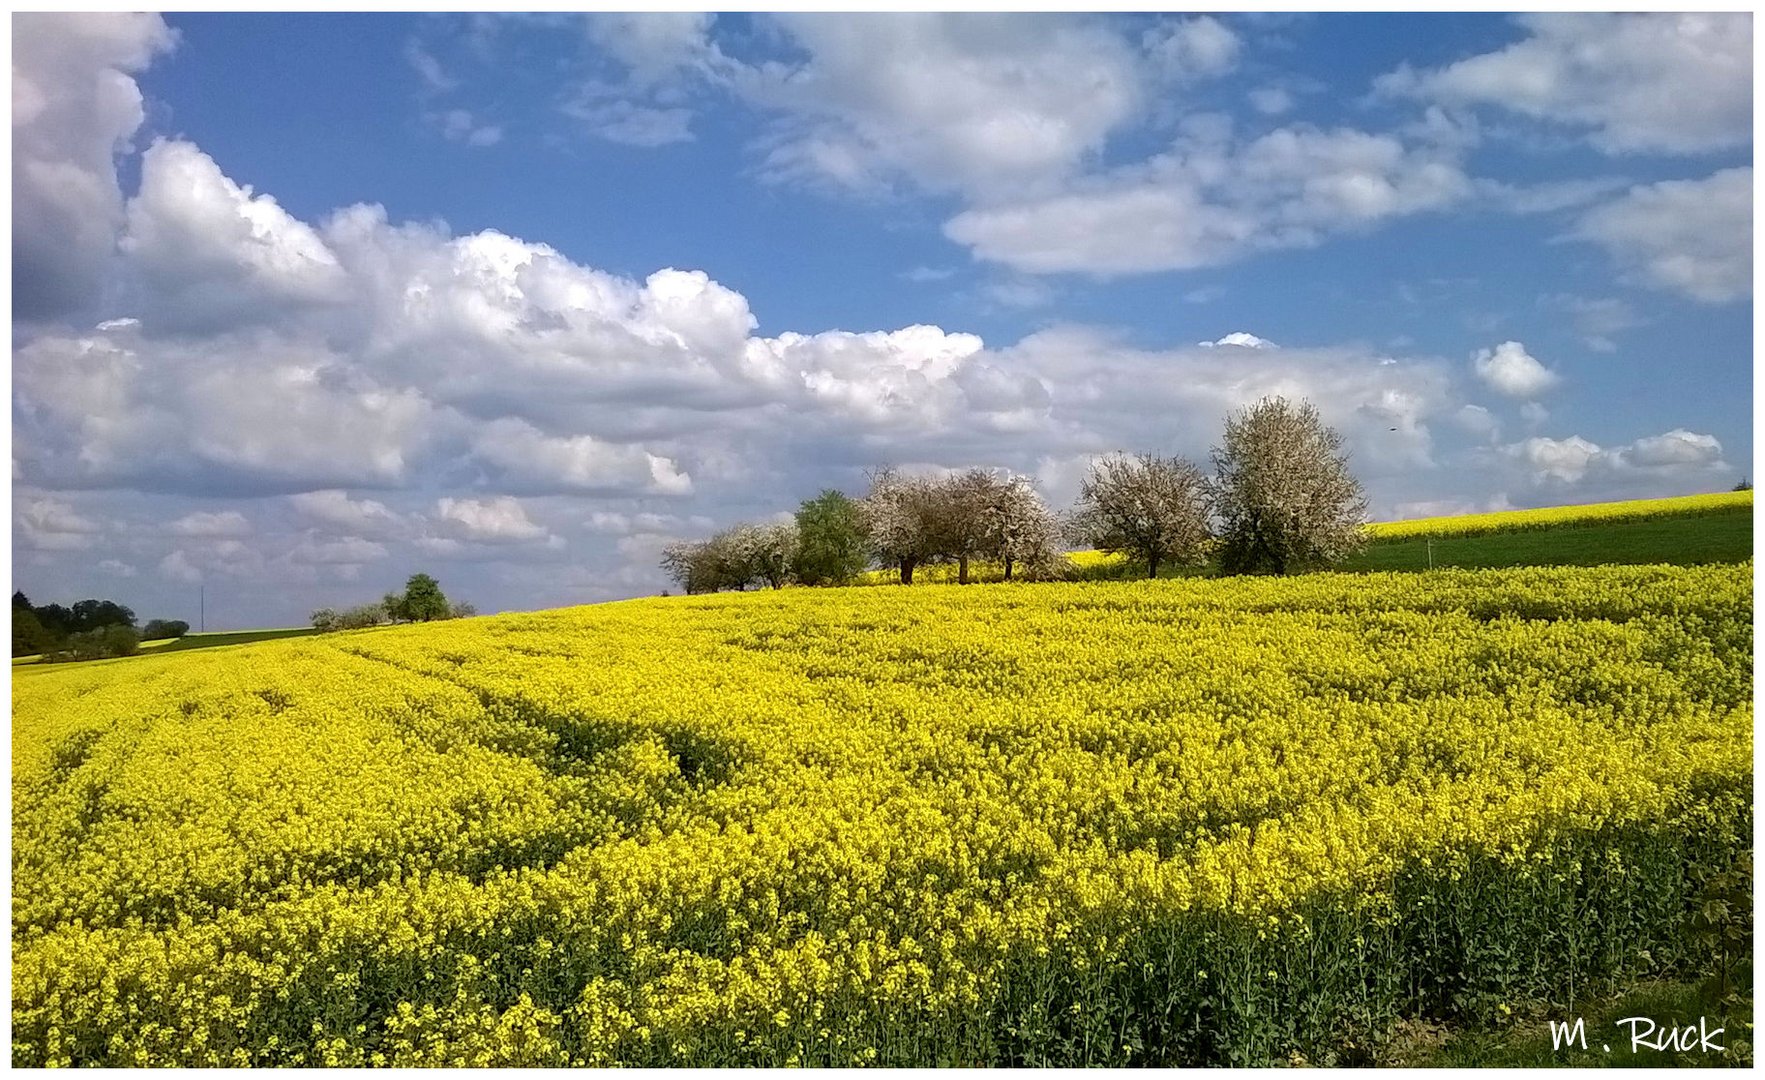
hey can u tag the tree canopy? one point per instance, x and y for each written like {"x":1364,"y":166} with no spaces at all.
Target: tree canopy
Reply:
{"x":1282,"y":490}
{"x":1151,"y":507}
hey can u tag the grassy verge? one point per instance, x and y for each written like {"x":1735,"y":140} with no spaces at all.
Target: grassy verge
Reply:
{"x":195,"y":641}
{"x":231,"y":637}
{"x":1605,"y":1041}
{"x":1686,"y":541}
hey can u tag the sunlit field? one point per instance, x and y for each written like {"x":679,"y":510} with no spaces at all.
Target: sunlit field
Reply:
{"x":1172,"y":822}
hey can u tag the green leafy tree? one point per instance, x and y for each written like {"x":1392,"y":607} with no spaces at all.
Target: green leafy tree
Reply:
{"x":1282,"y":491}
{"x":423,"y":600}
{"x":29,"y":637}
{"x":831,"y":545}
{"x":56,"y":619}
{"x":96,"y":614}
{"x":50,"y":627}
{"x":164,"y":628}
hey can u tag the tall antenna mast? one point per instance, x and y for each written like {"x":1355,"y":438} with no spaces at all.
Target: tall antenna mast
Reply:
{"x":202,"y":607}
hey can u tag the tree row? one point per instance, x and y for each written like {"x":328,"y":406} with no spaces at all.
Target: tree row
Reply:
{"x":1280,"y":498}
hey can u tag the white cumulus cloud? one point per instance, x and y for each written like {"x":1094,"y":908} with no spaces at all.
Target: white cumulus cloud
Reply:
{"x":1678,"y":457}
{"x":1509,"y":369}
{"x":214,"y":253}
{"x":75,"y":104}
{"x":1242,"y":340}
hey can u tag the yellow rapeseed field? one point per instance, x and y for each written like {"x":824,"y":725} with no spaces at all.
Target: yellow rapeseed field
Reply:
{"x":1551,"y":517}
{"x":1155,"y":822}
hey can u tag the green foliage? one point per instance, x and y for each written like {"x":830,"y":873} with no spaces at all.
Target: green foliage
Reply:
{"x":831,"y":544}
{"x":29,"y":637}
{"x":423,"y":600}
{"x":93,"y":614}
{"x":100,"y":644}
{"x":164,"y":628}
{"x":1526,"y":1041}
{"x":51,"y":627}
{"x":1722,"y":925}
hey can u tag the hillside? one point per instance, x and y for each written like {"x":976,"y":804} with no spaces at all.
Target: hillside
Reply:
{"x":1220,"y":821}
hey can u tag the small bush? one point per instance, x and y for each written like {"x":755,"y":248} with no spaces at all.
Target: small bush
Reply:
{"x":156,"y":629}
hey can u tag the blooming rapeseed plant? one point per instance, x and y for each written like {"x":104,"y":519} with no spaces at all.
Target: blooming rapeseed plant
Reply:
{"x":1157,"y":822}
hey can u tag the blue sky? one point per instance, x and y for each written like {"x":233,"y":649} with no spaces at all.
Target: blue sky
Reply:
{"x":303,"y":304}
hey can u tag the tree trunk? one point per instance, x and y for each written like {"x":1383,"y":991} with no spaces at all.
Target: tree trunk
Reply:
{"x":1007,"y":568}
{"x":962,"y":570}
{"x":1151,"y":562}
{"x":907,"y":571}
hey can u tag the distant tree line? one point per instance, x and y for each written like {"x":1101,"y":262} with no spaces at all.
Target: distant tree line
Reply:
{"x":421,"y":601}
{"x":1280,"y":499}
{"x":89,"y":630}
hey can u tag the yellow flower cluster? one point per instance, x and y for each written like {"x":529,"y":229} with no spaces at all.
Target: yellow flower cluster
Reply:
{"x":1154,"y":822}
